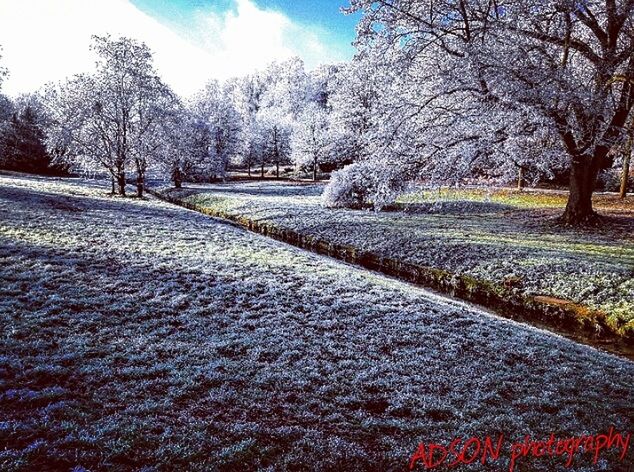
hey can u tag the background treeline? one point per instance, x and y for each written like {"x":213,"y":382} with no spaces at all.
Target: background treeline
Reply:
{"x":23,"y":138}
{"x":439,"y":92}
{"x":283,"y":120}
{"x":123,"y":120}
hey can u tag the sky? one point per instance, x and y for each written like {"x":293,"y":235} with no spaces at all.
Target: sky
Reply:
{"x":192,"y":40}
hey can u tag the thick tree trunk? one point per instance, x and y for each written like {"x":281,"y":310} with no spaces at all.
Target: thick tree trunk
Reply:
{"x":177,"y":178}
{"x":121,"y":183}
{"x":277,"y":170}
{"x":262,"y":173}
{"x":627,"y":155}
{"x":140,"y":185}
{"x":314,"y":170}
{"x":579,"y":210}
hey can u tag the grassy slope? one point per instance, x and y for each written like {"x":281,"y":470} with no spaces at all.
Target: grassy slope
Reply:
{"x":135,"y":333}
{"x":492,"y":237}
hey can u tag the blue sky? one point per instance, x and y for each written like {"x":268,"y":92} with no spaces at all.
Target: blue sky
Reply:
{"x":324,"y":15}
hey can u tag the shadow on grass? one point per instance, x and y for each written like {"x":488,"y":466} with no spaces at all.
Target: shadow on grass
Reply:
{"x":133,"y":358}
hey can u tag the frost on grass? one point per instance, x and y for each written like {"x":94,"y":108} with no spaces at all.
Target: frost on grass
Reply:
{"x":138,"y":335}
{"x":492,"y":241}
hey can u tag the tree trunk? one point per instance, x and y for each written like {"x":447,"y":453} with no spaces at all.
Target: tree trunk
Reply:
{"x":277,"y":169}
{"x":627,"y":155}
{"x":520,"y":179}
{"x":177,"y":177}
{"x":262,"y":174}
{"x":113,"y":183}
{"x":121,"y":183}
{"x":249,"y":169}
{"x":140,"y":185}
{"x":579,"y":210}
{"x":314,"y":170}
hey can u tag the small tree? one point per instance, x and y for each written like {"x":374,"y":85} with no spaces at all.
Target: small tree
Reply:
{"x":627,"y":156}
{"x":310,"y":143}
{"x":275,"y":131}
{"x":215,"y":111}
{"x":180,"y":152}
{"x":81,"y":133}
{"x":250,"y":147}
{"x":23,"y":144}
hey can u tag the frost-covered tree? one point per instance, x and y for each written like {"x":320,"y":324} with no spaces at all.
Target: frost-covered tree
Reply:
{"x":3,"y":70}
{"x":79,"y":132}
{"x":269,"y":104}
{"x":184,"y":147}
{"x":111,"y":118}
{"x":246,"y":96}
{"x":251,"y":148}
{"x":274,"y":128}
{"x":311,"y":140}
{"x":353,"y":95}
{"x":22,"y":139}
{"x":321,"y":83}
{"x":286,"y":87}
{"x":479,"y":76}
{"x":216,"y":112}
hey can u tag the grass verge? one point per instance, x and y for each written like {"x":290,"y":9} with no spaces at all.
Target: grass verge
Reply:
{"x":584,"y":323}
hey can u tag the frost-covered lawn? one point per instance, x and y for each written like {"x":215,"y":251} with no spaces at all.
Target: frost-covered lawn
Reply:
{"x":139,"y":335}
{"x":504,"y":236}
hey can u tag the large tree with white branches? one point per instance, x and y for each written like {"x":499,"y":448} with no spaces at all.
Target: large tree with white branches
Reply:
{"x":499,"y":72}
{"x":111,"y":119}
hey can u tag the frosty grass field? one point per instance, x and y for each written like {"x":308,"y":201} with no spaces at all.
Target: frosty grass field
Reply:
{"x":136,"y":334}
{"x":496,"y":239}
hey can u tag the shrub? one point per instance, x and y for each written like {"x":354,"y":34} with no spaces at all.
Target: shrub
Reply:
{"x":361,"y":185}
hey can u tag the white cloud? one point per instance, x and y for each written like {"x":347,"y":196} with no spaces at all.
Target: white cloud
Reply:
{"x":250,"y":38}
{"x":48,"y":40}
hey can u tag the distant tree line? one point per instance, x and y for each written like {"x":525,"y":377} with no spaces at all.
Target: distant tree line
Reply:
{"x":23,"y":138}
{"x":122,"y":119}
